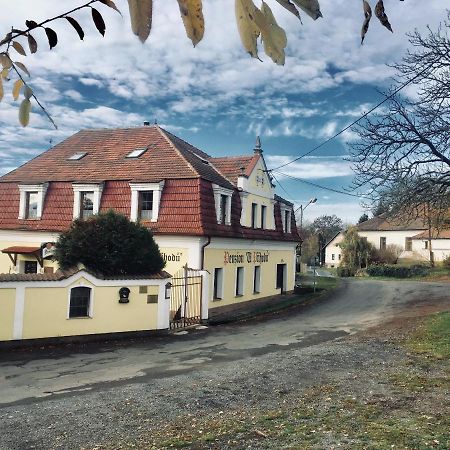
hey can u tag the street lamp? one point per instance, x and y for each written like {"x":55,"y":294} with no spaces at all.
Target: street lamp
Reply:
{"x":302,"y":208}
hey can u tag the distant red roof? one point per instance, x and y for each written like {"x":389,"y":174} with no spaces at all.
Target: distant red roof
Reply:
{"x":441,"y":234}
{"x":381,"y":223}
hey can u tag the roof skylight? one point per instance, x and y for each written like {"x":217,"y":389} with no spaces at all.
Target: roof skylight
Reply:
{"x":77,"y":156}
{"x":137,"y":152}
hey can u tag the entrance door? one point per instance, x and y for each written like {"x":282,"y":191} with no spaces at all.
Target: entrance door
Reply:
{"x":281,"y":277}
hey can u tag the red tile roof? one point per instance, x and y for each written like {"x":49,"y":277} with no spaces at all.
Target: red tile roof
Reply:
{"x":234,"y":166}
{"x":187,"y":203}
{"x":441,"y":234}
{"x":21,"y":250}
{"x":381,"y":223}
{"x":62,"y":275}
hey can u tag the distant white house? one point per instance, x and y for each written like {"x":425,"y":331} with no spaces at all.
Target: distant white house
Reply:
{"x":412,"y":238}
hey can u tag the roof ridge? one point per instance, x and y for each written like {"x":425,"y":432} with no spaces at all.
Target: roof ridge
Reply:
{"x":163,"y":133}
{"x":182,"y":140}
{"x":233,"y":157}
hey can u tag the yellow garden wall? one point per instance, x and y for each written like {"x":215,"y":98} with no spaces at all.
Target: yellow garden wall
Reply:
{"x":108,"y":315}
{"x":7,"y":306}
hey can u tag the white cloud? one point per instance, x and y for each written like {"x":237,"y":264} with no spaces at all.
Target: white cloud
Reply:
{"x":73,"y":95}
{"x":310,"y":168}
{"x":349,"y":212}
{"x":166,"y":77}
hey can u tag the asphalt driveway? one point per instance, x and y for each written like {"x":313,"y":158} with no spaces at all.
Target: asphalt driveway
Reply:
{"x":68,"y":397}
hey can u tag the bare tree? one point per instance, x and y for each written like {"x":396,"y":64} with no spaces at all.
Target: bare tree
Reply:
{"x":402,"y":157}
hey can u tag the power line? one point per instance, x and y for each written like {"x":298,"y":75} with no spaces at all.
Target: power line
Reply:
{"x":320,"y":186}
{"x":343,"y":130}
{"x":281,"y":186}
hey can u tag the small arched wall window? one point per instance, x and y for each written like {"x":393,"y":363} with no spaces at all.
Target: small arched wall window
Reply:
{"x":80,"y":301}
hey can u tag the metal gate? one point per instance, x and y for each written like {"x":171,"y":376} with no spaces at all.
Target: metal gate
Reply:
{"x":186,"y":298}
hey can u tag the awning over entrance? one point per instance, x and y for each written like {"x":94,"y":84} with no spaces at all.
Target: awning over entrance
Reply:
{"x":12,"y":252}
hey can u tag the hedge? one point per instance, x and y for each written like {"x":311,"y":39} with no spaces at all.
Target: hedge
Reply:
{"x":394,"y":271}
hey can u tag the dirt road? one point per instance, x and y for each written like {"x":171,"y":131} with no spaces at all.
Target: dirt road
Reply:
{"x":113,"y":394}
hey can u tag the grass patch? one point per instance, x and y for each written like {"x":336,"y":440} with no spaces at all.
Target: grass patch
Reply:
{"x":432,"y":338}
{"x":322,"y":417}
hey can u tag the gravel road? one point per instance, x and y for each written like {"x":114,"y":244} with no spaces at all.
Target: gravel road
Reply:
{"x":110,"y":395}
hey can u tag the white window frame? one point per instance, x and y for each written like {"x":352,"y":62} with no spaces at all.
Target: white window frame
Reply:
{"x":143,"y":187}
{"x":239,"y":282}
{"x":218,"y":191}
{"x":286,"y":226}
{"x":91,"y":302}
{"x":263,"y":216}
{"x":257,"y":280}
{"x":41,"y":190}
{"x":97,"y":189}
{"x":254,"y":215}
{"x":218,"y":281}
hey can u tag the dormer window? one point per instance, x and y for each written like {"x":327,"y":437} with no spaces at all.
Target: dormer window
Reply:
{"x":32,"y":200}
{"x":77,"y":156}
{"x":222,"y":197}
{"x":86,"y":201}
{"x":145,"y":200}
{"x":86,"y":204}
{"x":31,"y":206}
{"x":286,"y":218}
{"x":145,"y":205}
{"x":137,"y":152}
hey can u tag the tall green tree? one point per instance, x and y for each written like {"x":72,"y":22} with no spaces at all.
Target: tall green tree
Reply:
{"x":110,"y":244}
{"x":327,"y":226}
{"x":356,"y":251}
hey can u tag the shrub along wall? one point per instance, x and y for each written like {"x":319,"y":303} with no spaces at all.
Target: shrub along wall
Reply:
{"x":394,"y":271}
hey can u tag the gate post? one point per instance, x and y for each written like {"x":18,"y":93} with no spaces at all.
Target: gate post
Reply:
{"x":205,"y":295}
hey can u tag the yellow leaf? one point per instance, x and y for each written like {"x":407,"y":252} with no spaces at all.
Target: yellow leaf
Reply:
{"x":192,"y":15}
{"x":18,"y":48}
{"x":273,"y":36}
{"x":24,"y":112}
{"x":141,"y":17}
{"x":4,"y":73}
{"x":22,"y":67}
{"x":16,"y":89}
{"x":311,"y":7}
{"x":1,"y":89}
{"x":5,"y":61}
{"x":248,"y":30}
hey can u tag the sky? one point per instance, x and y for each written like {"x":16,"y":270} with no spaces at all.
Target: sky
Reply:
{"x":215,"y":96}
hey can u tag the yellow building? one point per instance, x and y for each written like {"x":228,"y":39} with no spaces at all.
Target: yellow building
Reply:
{"x":219,"y":215}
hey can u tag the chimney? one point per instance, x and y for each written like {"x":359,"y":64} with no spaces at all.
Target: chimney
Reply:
{"x":146,"y":124}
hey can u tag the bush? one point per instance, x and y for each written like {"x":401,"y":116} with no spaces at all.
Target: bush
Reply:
{"x":388,"y":255}
{"x":110,"y":244}
{"x":395,"y":271}
{"x":446,"y":262}
{"x":344,"y":271}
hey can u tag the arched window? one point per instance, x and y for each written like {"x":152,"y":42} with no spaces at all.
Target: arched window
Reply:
{"x":80,"y":301}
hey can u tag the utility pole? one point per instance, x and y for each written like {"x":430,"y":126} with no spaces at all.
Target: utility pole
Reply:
{"x":302,"y":208}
